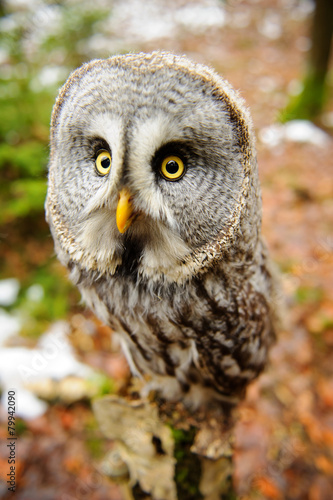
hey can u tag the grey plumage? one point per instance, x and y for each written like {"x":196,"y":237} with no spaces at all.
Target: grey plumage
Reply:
{"x":188,"y":285}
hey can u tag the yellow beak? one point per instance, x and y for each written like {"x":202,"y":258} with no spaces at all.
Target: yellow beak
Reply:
{"x":124,"y":214}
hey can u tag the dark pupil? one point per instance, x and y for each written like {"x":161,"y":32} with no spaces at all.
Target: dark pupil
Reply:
{"x":105,"y":162}
{"x":172,"y":167}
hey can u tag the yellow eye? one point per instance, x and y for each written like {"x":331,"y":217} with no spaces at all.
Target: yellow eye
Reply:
{"x":103,"y":162}
{"x":172,"y":168}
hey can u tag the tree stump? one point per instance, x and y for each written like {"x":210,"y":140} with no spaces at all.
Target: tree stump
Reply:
{"x":161,"y":451}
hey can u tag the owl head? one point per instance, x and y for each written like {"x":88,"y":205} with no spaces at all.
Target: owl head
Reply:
{"x":152,"y":169}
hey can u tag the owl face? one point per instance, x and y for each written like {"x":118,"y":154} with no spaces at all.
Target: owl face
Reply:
{"x":146,"y":166}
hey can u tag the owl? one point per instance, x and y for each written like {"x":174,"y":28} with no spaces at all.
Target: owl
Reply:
{"x":155,"y":209}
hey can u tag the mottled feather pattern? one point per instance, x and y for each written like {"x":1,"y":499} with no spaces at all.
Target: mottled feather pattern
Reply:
{"x":188,"y":287}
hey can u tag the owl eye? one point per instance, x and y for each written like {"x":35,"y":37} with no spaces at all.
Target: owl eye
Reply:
{"x":103,"y":162}
{"x":172,"y":168}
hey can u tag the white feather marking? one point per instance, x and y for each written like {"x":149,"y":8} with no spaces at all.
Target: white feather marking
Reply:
{"x":99,"y":237}
{"x":90,"y":297}
{"x":129,"y":357}
{"x":148,"y":137}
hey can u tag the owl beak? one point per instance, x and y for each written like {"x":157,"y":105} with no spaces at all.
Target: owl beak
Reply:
{"x":125,"y":211}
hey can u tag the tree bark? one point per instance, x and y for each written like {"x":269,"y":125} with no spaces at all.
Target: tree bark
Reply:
{"x":310,"y":103}
{"x":322,"y":30}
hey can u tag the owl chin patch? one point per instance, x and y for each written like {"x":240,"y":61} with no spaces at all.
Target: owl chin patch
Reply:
{"x":132,"y":251}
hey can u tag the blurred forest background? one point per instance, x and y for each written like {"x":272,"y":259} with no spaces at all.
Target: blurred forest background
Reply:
{"x":54,"y":352}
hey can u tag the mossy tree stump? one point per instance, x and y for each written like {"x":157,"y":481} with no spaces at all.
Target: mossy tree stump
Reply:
{"x":163,"y":452}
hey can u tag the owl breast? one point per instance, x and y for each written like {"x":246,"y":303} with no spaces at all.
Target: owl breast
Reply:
{"x":199,"y":342}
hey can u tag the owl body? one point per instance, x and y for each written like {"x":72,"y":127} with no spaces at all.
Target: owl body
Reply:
{"x":154,"y":206}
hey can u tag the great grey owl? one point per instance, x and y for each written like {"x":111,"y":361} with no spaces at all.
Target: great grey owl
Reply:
{"x":154,"y":206}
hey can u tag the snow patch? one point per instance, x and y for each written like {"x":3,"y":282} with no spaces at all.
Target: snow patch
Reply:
{"x":53,"y":358}
{"x":157,"y":19}
{"x":9,"y":290}
{"x":9,"y":326}
{"x":301,"y":131}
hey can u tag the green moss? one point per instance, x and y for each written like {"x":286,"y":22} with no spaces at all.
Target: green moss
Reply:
{"x":20,"y":427}
{"x":307,"y":295}
{"x":188,"y":466}
{"x":309,"y":103}
{"x":103,"y":384}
